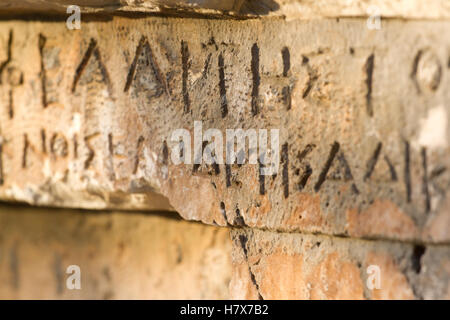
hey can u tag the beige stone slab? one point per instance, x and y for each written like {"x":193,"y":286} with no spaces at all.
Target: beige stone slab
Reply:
{"x":120,"y":255}
{"x":87,"y":118}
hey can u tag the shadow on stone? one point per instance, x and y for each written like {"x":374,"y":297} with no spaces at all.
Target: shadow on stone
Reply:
{"x":259,"y":7}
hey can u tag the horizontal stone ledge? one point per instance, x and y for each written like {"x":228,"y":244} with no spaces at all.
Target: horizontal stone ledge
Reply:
{"x":124,"y":255}
{"x":291,"y":9}
{"x":88,"y":119}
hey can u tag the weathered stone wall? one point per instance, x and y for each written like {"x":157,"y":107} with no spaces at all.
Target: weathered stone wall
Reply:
{"x":87,"y":119}
{"x":363,"y":147}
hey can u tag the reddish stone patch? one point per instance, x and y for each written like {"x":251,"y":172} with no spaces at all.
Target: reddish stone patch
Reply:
{"x":336,"y":278}
{"x":382,"y":218}
{"x":437,"y":228}
{"x":286,"y":276}
{"x":306,"y":215}
{"x":283,"y":277}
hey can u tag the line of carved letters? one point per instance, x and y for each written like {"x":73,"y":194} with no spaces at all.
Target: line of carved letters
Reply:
{"x":58,"y":145}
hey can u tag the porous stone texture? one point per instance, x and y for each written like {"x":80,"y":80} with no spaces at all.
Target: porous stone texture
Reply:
{"x":120,"y":255}
{"x":91,"y":119}
{"x":268,"y":265}
{"x":88,"y":118}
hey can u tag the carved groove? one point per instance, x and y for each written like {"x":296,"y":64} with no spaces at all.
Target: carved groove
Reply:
{"x":43,"y":75}
{"x":326,"y":168}
{"x":369,"y":66}
{"x":185,"y":75}
{"x":84,"y":62}
{"x":256,"y":78}
{"x":222,"y":88}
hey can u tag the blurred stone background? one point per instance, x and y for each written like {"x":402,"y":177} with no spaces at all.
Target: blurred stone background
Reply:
{"x":128,"y":255}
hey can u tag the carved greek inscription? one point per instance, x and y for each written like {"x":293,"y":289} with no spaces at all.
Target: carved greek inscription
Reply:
{"x":285,"y":172}
{"x":256,"y":79}
{"x":59,"y":146}
{"x":10,"y":75}
{"x":145,"y":77}
{"x":222,"y":87}
{"x":368,"y":68}
{"x":185,"y":64}
{"x":145,"y":72}
{"x":92,"y":50}
{"x":139,"y":147}
{"x":307,"y":170}
{"x":91,"y":153}
{"x":43,"y":74}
